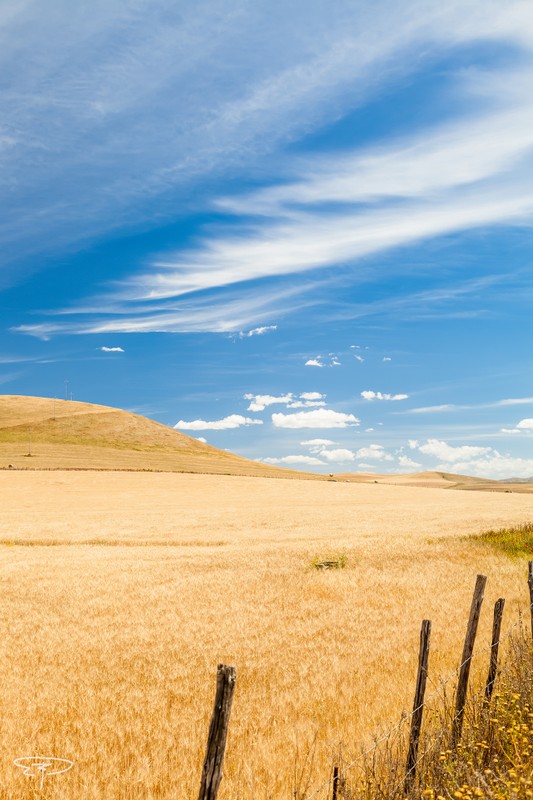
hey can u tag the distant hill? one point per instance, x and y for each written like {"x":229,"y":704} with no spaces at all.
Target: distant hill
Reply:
{"x":43,"y":433}
{"x":440,"y":480}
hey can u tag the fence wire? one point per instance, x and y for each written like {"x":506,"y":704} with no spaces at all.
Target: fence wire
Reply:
{"x":436,"y":693}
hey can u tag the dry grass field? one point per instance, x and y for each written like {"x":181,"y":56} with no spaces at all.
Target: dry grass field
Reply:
{"x":122,"y":591}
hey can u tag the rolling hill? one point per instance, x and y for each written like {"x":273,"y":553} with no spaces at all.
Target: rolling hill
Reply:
{"x":43,"y":433}
{"x":40,"y":433}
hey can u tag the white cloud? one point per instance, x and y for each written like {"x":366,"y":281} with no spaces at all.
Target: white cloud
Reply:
{"x":450,"y":454}
{"x":201,"y":439}
{"x":112,"y":349}
{"x":494,"y":465}
{"x":319,"y":418}
{"x":316,"y":442}
{"x":359,"y":358}
{"x":260,"y":401}
{"x":340,"y":454}
{"x":386,"y":358}
{"x":313,"y":362}
{"x":232,"y":421}
{"x":258,"y":331}
{"x":306,"y":403}
{"x":525,"y":424}
{"x":408,"y":463}
{"x":375,"y":452}
{"x":369,"y":395}
{"x":308,"y":460}
{"x":413,"y":443}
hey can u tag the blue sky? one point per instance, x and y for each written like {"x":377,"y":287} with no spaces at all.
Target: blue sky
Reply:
{"x":301,"y":231}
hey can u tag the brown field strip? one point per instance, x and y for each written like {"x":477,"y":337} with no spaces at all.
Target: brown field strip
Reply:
{"x":109,"y":651}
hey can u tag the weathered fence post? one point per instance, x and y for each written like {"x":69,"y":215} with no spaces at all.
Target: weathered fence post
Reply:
{"x":335,"y":783}
{"x":418,"y":705}
{"x":530,"y":584}
{"x":218,"y":730}
{"x":464,"y":672}
{"x":496,"y":628}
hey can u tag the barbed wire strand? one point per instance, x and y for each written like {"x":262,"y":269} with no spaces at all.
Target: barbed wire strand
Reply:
{"x":406,"y":717}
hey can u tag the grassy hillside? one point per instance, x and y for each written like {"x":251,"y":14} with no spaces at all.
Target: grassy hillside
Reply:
{"x":43,"y":433}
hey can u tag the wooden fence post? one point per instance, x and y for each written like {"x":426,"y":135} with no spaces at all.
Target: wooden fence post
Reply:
{"x":530,"y":584}
{"x":335,"y":783}
{"x":218,"y":730}
{"x":464,"y":672}
{"x":496,"y":628}
{"x":418,"y":705}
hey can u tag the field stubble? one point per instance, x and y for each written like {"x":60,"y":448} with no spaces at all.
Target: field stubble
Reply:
{"x":109,"y":653}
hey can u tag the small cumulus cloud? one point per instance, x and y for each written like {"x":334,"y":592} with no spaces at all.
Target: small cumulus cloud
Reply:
{"x":307,"y":460}
{"x":408,"y":463}
{"x":111,"y":349}
{"x":525,"y":424}
{"x":359,"y":358}
{"x":386,"y":358}
{"x":317,"y":442}
{"x":258,"y":402}
{"x":341,"y":454}
{"x":375,"y":452}
{"x":331,"y":360}
{"x":318,"y":418}
{"x":450,"y":454}
{"x":201,"y":439}
{"x":482,"y":462}
{"x":369,"y":395}
{"x":232,"y":421}
{"x":258,"y":331}
{"x":306,"y":403}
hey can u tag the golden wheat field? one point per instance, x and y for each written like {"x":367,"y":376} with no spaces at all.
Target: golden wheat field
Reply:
{"x":122,"y":591}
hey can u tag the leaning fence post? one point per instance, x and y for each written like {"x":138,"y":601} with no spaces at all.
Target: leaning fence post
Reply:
{"x":418,"y":705}
{"x":464,"y":672}
{"x":530,"y":584}
{"x":496,"y":628}
{"x":218,"y":730}
{"x":335,"y":783}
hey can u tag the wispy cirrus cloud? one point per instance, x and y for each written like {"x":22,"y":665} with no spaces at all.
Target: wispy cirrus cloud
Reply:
{"x":511,"y":401}
{"x":125,"y":104}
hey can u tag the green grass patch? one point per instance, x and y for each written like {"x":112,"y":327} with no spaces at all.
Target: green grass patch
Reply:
{"x":515,"y":541}
{"x":329,"y":561}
